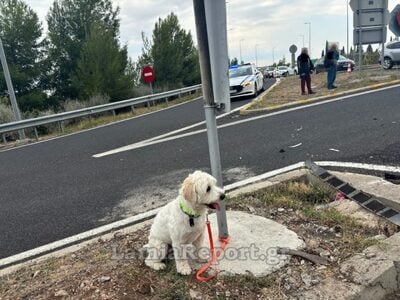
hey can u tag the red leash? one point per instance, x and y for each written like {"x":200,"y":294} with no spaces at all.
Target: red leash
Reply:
{"x":214,"y":256}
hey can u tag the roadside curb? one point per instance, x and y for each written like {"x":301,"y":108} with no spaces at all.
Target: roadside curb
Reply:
{"x":246,"y":111}
{"x":73,"y":243}
{"x":259,"y":98}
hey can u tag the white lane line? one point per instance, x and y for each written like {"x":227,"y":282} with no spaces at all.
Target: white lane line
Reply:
{"x":159,"y":139}
{"x":163,"y":137}
{"x":370,"y":167}
{"x":101,"y":126}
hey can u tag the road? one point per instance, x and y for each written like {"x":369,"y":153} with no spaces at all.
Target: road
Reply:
{"x":55,"y":189}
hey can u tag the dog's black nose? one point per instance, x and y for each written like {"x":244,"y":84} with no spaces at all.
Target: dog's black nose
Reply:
{"x":222,"y":197}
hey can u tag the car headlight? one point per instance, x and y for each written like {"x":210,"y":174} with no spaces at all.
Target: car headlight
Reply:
{"x":247,"y":83}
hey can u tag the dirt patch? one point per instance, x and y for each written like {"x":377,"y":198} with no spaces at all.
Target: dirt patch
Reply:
{"x":289,"y":89}
{"x":114,"y":269}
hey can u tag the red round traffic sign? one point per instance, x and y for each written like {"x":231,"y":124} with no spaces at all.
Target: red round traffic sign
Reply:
{"x":148,"y":74}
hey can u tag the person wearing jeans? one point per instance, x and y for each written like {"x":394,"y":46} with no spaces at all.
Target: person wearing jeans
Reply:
{"x":305,"y":68}
{"x":332,"y":57}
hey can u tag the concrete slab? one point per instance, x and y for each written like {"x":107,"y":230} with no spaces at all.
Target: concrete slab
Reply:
{"x":376,"y":269}
{"x":253,"y":245}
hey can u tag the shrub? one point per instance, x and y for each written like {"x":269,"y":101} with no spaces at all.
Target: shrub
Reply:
{"x":6,"y":113}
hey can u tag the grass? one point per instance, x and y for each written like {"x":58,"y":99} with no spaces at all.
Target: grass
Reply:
{"x":289,"y":89}
{"x":302,"y":199}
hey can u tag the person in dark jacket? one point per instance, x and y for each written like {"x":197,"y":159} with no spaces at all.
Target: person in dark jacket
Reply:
{"x":305,"y":68}
{"x":332,"y":56}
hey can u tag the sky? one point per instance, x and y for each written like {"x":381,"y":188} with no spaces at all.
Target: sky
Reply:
{"x":263,"y":27}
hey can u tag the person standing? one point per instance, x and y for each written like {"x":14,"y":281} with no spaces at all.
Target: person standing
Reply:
{"x":305,"y":68}
{"x":332,"y":56}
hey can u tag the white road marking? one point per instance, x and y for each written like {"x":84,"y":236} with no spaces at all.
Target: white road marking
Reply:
{"x":100,"y":126}
{"x":163,"y":137}
{"x":370,"y":167}
{"x":159,"y":139}
{"x":334,"y":150}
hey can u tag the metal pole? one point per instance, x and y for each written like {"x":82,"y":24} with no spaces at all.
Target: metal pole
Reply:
{"x":256,"y":56}
{"x":359,"y":36}
{"x":240,"y":49}
{"x":273,"y":55}
{"x":209,"y":105}
{"x":309,"y":41}
{"x":383,"y":37}
{"x":309,"y":37}
{"x":347,"y":6}
{"x":10,"y":89}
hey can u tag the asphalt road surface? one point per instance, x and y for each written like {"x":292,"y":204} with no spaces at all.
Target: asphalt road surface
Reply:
{"x":55,"y":189}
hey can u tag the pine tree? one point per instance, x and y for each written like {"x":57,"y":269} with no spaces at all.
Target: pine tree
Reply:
{"x":69,"y":23}
{"x":172,"y":54}
{"x":20,"y":32}
{"x":102,"y":66}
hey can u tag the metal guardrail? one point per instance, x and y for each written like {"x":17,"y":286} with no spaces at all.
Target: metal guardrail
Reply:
{"x":84,"y":112}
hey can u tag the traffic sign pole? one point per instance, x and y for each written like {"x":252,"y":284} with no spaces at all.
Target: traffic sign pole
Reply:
{"x":210,"y":106}
{"x":359,"y":38}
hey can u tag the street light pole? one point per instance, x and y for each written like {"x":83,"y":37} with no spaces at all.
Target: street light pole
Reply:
{"x":309,"y":37}
{"x":302,"y":35}
{"x":240,"y":48}
{"x":347,"y":6}
{"x":10,"y":89}
{"x":273,"y":55}
{"x":256,"y":54}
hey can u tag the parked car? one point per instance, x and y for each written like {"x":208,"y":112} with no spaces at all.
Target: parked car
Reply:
{"x":391,"y":55}
{"x":269,"y":72}
{"x":342,"y":64}
{"x":245,"y":80}
{"x":281,"y":71}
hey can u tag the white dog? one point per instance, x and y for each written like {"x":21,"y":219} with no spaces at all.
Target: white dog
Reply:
{"x":181,"y":223}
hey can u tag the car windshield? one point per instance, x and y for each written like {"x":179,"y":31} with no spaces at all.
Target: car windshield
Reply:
{"x":282,"y":68}
{"x":341,"y":57}
{"x":240,"y":71}
{"x":270,"y":68}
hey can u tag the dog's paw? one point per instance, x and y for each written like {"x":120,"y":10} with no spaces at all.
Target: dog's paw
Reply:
{"x":155,"y":265}
{"x":184,"y":269}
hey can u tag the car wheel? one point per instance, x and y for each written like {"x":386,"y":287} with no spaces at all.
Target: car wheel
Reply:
{"x":255,"y":90}
{"x":387,"y":63}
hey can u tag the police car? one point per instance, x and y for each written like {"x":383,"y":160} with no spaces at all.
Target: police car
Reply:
{"x":245,"y":80}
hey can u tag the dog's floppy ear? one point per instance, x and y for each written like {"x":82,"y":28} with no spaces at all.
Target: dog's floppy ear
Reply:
{"x":188,"y":190}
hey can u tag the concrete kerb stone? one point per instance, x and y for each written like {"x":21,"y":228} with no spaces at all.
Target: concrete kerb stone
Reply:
{"x":260,"y":97}
{"x":246,"y":111}
{"x":382,"y":259}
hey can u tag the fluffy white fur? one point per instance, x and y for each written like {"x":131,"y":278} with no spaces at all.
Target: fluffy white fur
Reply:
{"x":171,"y":225}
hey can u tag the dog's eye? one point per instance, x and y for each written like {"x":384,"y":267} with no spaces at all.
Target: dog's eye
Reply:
{"x":208,"y":189}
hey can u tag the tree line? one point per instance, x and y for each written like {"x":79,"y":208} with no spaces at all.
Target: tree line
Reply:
{"x":81,"y":58}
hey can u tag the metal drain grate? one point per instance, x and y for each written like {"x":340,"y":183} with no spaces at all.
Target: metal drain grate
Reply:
{"x":367,"y":201}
